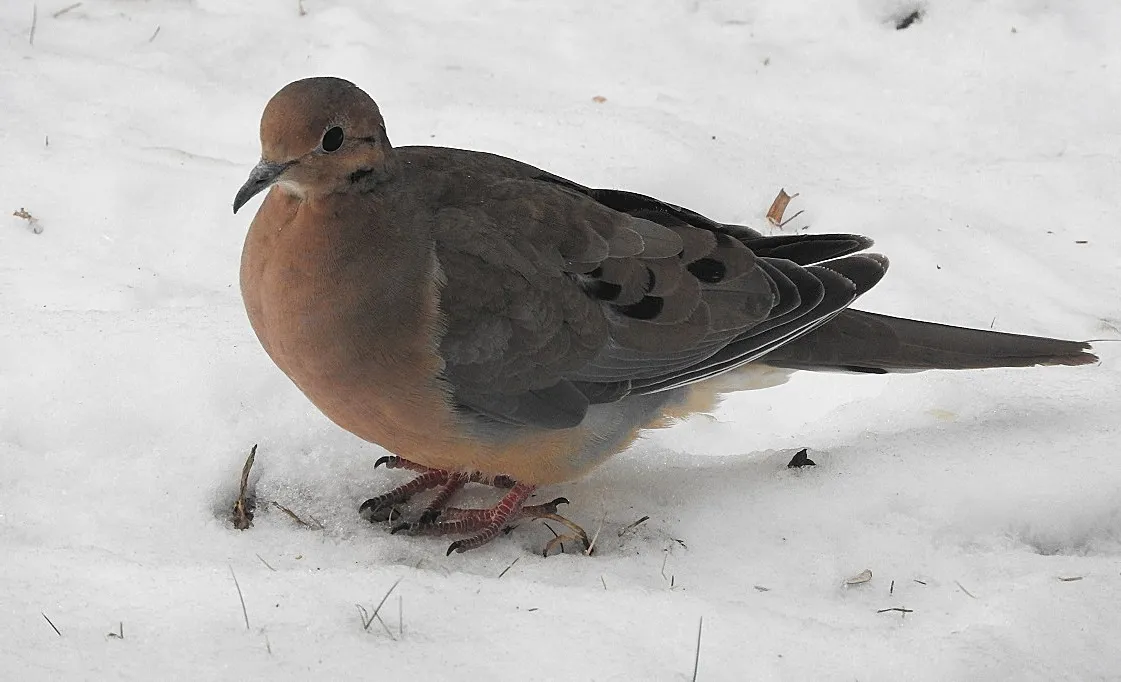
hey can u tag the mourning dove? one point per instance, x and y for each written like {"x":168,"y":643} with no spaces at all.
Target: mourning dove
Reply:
{"x":487,"y":321}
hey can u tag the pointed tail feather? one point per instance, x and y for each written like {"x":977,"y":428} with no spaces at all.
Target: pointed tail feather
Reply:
{"x":857,"y":341}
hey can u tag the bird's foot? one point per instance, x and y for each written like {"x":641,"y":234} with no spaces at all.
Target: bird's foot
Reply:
{"x":384,"y":506}
{"x":482,"y":525}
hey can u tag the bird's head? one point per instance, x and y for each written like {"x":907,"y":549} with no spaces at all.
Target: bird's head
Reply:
{"x":318,"y":136}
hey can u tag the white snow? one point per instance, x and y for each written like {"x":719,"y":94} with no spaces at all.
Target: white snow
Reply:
{"x":978,"y":147}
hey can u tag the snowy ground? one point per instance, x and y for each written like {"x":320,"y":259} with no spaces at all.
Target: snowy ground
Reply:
{"x":981,"y":148}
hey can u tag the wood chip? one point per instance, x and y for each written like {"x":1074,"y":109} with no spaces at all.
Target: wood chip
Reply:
{"x":778,"y":207}
{"x":860,"y":578}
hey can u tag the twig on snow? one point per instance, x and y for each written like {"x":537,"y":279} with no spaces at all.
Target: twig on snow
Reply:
{"x":244,"y":504}
{"x":697,"y":653}
{"x":66,"y":9}
{"x":631,"y":526}
{"x":50,"y":623}
{"x":367,"y":619}
{"x":595,"y":536}
{"x":240,"y":596}
{"x":511,"y":564}
{"x":295,"y":517}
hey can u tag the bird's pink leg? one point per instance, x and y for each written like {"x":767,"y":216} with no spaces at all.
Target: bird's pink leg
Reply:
{"x":485,"y":524}
{"x":381,"y":508}
{"x":438,"y":519}
{"x":444,"y":495}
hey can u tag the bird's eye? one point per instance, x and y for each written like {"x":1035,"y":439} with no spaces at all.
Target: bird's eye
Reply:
{"x":332,"y":139}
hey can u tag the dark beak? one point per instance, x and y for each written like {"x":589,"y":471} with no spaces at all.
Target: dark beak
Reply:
{"x":264,"y":174}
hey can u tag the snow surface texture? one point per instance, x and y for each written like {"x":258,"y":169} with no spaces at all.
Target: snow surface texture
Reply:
{"x":980,"y":147}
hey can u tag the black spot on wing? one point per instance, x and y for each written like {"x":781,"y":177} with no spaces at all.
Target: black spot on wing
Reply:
{"x":646,"y":309}
{"x":707,"y":270}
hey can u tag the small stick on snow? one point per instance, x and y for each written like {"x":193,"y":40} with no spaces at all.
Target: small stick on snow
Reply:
{"x":367,"y":621}
{"x":697,"y":653}
{"x":50,"y":623}
{"x":156,"y":33}
{"x":787,"y":221}
{"x":387,"y":593}
{"x":900,"y":609}
{"x":240,"y":596}
{"x":120,"y":633}
{"x":891,"y":590}
{"x":291,"y":514}
{"x":243,"y":505}
{"x":604,"y":583}
{"x":511,"y":565}
{"x":64,"y":10}
{"x":965,"y":590}
{"x":265,"y":563}
{"x":634,"y":525}
{"x":595,"y":536}
{"x":34,"y":21}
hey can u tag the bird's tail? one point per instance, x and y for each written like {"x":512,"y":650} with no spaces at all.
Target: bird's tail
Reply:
{"x":856,"y":341}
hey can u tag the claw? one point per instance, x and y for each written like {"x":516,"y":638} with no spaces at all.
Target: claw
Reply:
{"x":386,"y":460}
{"x":429,"y":516}
{"x":456,"y":546}
{"x":372,"y":510}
